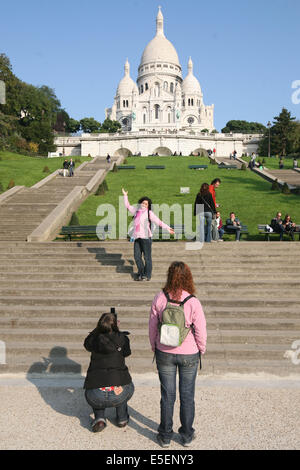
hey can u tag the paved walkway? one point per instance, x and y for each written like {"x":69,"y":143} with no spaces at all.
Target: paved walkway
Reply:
{"x":232,"y":412}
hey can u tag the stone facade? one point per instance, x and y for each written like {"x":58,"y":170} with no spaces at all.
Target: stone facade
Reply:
{"x":160,"y":99}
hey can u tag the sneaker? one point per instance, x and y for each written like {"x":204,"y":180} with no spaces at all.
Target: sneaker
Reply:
{"x":187,"y":443}
{"x":99,"y":426}
{"x":122,"y":424}
{"x":220,"y":240}
{"x":139,"y":278}
{"x":163,"y":442}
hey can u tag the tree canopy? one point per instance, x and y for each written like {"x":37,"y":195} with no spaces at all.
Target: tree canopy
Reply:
{"x":244,"y":127}
{"x":284,"y":136}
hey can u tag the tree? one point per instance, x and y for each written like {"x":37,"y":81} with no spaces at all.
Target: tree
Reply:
{"x":90,"y":125}
{"x":110,"y":126}
{"x":284,"y":135}
{"x":72,"y":126}
{"x":244,"y":127}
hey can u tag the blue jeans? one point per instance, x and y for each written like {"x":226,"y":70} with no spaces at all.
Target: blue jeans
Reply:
{"x":205,"y":232}
{"x":99,"y":400}
{"x":167,"y":365}
{"x":221,"y":233}
{"x":143,"y":246}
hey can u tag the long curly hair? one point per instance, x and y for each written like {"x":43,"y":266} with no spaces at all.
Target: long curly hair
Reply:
{"x":179,"y":278}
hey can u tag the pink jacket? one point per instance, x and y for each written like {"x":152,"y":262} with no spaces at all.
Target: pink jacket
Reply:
{"x":193,"y":315}
{"x":141,"y":223}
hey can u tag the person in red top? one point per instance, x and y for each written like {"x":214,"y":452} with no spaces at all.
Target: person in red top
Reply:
{"x":212,"y":189}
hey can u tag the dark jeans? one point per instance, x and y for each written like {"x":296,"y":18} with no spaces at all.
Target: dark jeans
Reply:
{"x":99,"y":400}
{"x":279,"y":229}
{"x":236,"y":230}
{"x":167,"y":365}
{"x":221,"y":233}
{"x":143,"y":246}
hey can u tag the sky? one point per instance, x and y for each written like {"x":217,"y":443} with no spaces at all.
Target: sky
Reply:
{"x":245,"y":53}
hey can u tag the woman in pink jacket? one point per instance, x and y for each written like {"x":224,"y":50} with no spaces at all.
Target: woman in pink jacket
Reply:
{"x":143,"y":217}
{"x":185,"y":357}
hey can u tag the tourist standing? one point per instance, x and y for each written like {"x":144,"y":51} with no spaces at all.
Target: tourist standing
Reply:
{"x":179,"y":289}
{"x":108,"y":382}
{"x":205,"y":198}
{"x":71,"y":167}
{"x":65,"y":168}
{"x":212,"y":189}
{"x":142,"y":234}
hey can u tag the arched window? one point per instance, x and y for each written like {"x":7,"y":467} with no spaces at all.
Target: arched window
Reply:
{"x":189,"y":102}
{"x":146,"y":86}
{"x":144,"y":118}
{"x":172,"y":87}
{"x":166,"y":86}
{"x":142,"y":88}
{"x":126,"y":103}
{"x":156,"y":89}
{"x":183,"y":103}
{"x":156,"y":109}
{"x":192,"y":101}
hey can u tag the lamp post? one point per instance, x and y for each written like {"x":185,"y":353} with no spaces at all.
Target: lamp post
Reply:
{"x":269,"y":147}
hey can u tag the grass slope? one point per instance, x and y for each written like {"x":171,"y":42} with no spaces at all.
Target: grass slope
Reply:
{"x":243,"y":192}
{"x":26,"y":171}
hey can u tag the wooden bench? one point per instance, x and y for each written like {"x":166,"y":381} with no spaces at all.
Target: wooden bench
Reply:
{"x":227,"y":167}
{"x":232,"y":231}
{"x":262,"y":228}
{"x":155,"y":167}
{"x":198,"y":167}
{"x":126,"y":167}
{"x":95,"y":230}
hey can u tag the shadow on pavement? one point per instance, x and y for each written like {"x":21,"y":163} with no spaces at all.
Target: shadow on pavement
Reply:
{"x":63,"y":394}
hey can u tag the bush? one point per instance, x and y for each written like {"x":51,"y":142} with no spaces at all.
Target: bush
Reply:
{"x":275,"y":186}
{"x":46,"y":169}
{"x":243,"y":167}
{"x":286,"y":189}
{"x":125,"y":161}
{"x":11,"y":184}
{"x":74,"y":219}
{"x":101,"y":190}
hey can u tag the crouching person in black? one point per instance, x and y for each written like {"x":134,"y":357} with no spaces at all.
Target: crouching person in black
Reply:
{"x":108,"y":382}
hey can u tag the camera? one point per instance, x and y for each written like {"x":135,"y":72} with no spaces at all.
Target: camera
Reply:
{"x":113,"y":310}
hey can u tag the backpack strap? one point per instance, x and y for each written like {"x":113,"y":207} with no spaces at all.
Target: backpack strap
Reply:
{"x":180,"y":303}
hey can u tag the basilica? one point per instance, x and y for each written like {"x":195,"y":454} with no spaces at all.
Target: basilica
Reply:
{"x":161,"y":113}
{"x":161,"y":98}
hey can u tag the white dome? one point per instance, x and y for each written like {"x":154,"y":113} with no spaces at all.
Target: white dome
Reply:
{"x":190,"y":84}
{"x":126,"y":85}
{"x":160,"y":48}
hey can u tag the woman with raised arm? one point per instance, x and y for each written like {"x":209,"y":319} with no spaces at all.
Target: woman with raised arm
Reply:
{"x":142,"y":234}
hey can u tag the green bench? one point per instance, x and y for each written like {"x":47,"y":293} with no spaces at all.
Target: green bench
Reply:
{"x":232,"y":231}
{"x":126,"y":167}
{"x":155,"y":167}
{"x":96,"y":230}
{"x":198,"y":167}
{"x":262,"y":228}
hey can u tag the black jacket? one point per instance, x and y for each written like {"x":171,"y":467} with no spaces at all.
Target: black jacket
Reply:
{"x":107,"y":366}
{"x":207,"y":200}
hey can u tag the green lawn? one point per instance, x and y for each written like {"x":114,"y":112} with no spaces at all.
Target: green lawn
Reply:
{"x":243,"y":192}
{"x":26,"y":171}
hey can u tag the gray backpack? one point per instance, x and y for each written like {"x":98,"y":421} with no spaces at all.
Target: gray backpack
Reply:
{"x":172,"y":329}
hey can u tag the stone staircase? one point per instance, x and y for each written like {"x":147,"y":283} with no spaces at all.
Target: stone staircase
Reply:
{"x":24,"y":211}
{"x":52,"y":295}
